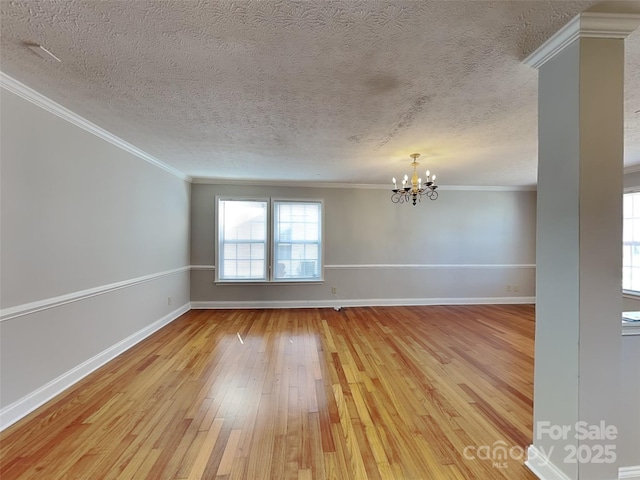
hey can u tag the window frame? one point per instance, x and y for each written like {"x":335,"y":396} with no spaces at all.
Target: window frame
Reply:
{"x":270,"y":243}
{"x":218,"y":253}
{"x":272,"y":238}
{"x":628,"y":292}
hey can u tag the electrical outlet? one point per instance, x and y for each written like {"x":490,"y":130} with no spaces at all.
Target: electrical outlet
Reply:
{"x":168,"y":300}
{"x":516,"y":288}
{"x":334,"y":290}
{"x":508,"y":288}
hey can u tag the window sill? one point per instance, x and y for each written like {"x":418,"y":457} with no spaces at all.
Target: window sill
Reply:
{"x":631,"y":294}
{"x":630,"y":323}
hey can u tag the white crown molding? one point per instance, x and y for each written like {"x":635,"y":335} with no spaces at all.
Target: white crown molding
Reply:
{"x":362,"y":186}
{"x":629,"y":473}
{"x":285,"y":183}
{"x":542,"y":467}
{"x":45,"y":103}
{"x":22,"y":407}
{"x":584,"y":25}
{"x":364,"y":302}
{"x":32,"y":307}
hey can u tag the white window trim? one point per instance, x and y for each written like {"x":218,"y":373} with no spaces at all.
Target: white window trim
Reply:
{"x":218,"y":255}
{"x":635,"y":294}
{"x":270,"y":243}
{"x":305,"y":281}
{"x":630,"y":328}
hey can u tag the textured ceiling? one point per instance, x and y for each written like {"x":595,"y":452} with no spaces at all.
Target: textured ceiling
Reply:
{"x":321,"y":91}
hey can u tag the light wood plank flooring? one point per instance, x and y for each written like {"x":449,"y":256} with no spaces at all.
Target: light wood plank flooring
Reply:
{"x":365,"y":393}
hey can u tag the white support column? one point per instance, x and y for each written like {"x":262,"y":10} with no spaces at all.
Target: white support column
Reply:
{"x":579,"y":246}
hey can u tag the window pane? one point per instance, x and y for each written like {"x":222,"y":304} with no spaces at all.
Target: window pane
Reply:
{"x":627,"y":230}
{"x":312,"y":251}
{"x":626,"y":255}
{"x":626,"y":278}
{"x":635,"y":255}
{"x":636,"y":205}
{"x":635,"y":279}
{"x":627,"y":206}
{"x":297,"y":232}
{"x":311,"y":232}
{"x":242,"y":227}
{"x":636,"y":230}
{"x":244,"y":251}
{"x":285,"y":213}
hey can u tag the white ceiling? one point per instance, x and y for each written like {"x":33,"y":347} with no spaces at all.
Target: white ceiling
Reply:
{"x":320,"y":91}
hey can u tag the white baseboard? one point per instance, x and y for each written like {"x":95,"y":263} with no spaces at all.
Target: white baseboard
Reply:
{"x":629,"y":473}
{"x":541,"y":466}
{"x":20,"y":408}
{"x":369,"y":302}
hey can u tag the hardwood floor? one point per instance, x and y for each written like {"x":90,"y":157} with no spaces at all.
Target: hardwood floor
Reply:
{"x":365,"y":393}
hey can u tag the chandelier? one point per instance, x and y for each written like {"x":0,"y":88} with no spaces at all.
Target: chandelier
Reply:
{"x":414,"y":191}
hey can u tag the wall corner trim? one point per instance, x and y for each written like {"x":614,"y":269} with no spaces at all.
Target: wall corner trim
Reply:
{"x":49,"y":105}
{"x":541,"y":466}
{"x":21,"y":408}
{"x":584,"y":25}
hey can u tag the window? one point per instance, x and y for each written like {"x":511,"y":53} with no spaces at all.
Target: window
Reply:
{"x":631,"y":242}
{"x":242,"y":239}
{"x":256,"y":243}
{"x":296,"y":240}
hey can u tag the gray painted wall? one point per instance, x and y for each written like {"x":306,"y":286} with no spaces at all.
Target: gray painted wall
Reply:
{"x":481,"y":241}
{"x":632,"y":181}
{"x":80,"y":213}
{"x":629,"y":448}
